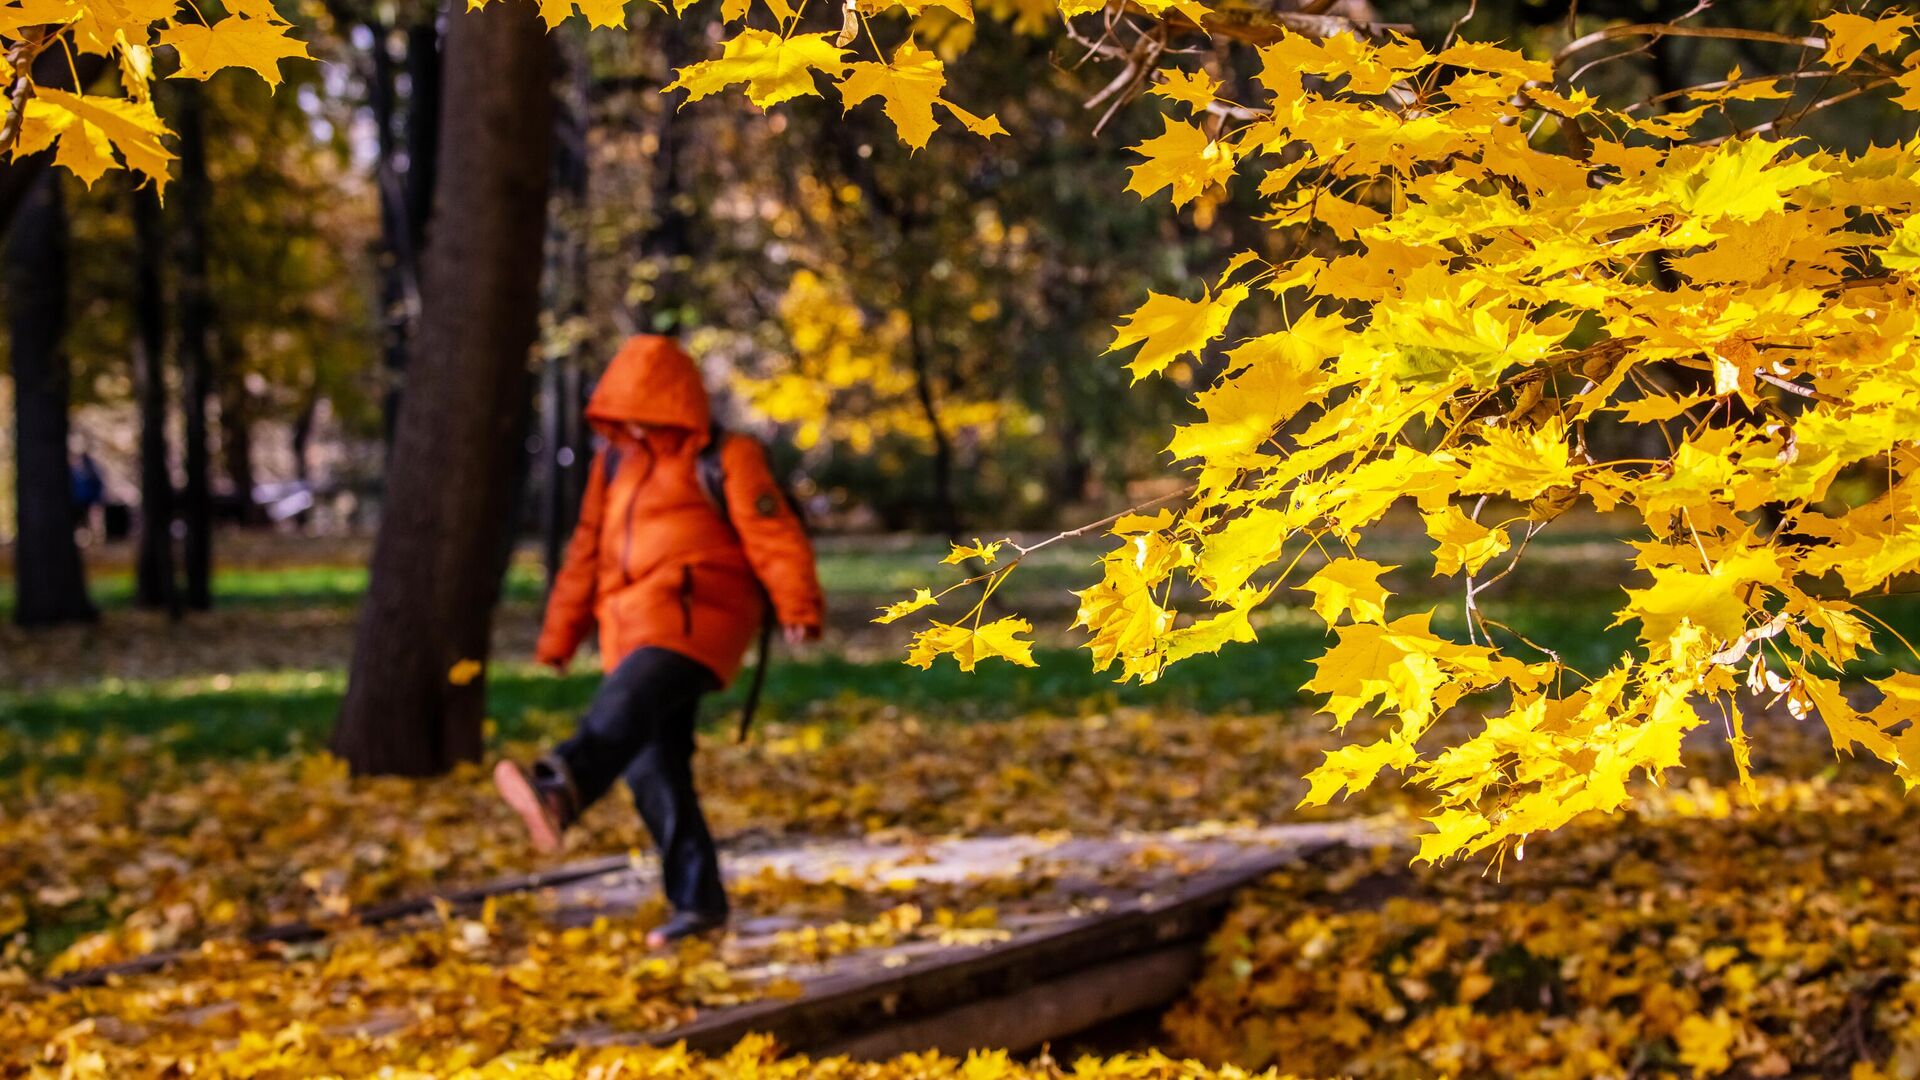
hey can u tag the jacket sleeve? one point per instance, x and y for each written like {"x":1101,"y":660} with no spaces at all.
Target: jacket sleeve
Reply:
{"x":775,"y":540}
{"x":570,"y":604}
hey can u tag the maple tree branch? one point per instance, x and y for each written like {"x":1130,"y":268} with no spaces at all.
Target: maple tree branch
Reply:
{"x":1792,"y":387}
{"x":1660,"y":30}
{"x":21,"y":56}
{"x":1728,"y":84}
{"x":1784,"y":122}
{"x":1108,"y":520}
{"x":1259,"y":22}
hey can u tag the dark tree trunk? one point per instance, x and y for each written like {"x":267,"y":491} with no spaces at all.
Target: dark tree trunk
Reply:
{"x":236,"y":430}
{"x":196,"y":346}
{"x":458,"y":445}
{"x":155,"y":583}
{"x":50,"y":583}
{"x":564,"y":459}
{"x":302,"y":439}
{"x":396,"y":255}
{"x":423,"y":129}
{"x":666,"y":243}
{"x":406,"y":130}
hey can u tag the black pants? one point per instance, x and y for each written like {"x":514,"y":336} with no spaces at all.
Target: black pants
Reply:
{"x":640,"y":726}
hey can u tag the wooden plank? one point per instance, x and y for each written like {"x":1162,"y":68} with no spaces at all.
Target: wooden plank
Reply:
{"x":458,"y":899}
{"x":1029,"y":1017}
{"x":840,"y":1006}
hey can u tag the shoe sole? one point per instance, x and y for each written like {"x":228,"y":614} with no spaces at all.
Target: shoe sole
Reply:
{"x":517,"y":792}
{"x":704,"y":933}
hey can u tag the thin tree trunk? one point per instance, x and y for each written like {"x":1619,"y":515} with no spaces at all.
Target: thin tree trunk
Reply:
{"x":50,"y":583}
{"x":236,"y":431}
{"x":196,"y":346}
{"x":564,"y":463}
{"x":423,"y":131}
{"x":413,"y":706}
{"x":302,"y":440}
{"x":395,"y":251}
{"x":155,"y":582}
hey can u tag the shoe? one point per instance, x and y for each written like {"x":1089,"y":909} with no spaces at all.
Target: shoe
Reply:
{"x":685,"y":924}
{"x":543,"y":799}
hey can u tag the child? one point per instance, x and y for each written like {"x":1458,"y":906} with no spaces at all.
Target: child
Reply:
{"x":675,"y":581}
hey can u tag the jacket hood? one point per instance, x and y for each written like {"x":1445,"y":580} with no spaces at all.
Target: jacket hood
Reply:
{"x":652,"y":380}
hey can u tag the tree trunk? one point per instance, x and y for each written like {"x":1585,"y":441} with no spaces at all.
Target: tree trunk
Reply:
{"x":301,"y":438}
{"x":196,"y":346}
{"x":406,"y":195}
{"x":564,"y":458}
{"x":50,"y":583}
{"x":458,"y":443}
{"x":155,"y":584}
{"x":423,"y":130}
{"x":236,"y":427}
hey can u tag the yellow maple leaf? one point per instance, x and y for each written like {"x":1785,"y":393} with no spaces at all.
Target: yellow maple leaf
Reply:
{"x":1243,"y":411}
{"x":235,"y":41}
{"x":1194,"y":89}
{"x":464,"y":672}
{"x":1349,"y":586}
{"x":774,"y":68}
{"x":86,"y":131}
{"x":1738,"y":179}
{"x":899,"y":609}
{"x":969,"y":645}
{"x":909,"y":87}
{"x":1171,"y":328}
{"x":1352,"y":768}
{"x":1850,"y":35}
{"x":18,"y":15}
{"x":1497,"y":59}
{"x":1713,"y":600}
{"x":1463,"y":541}
{"x":1182,"y":158}
{"x":1519,"y":463}
{"x":1902,"y":252}
{"x":603,"y":14}
{"x":979,"y":549}
{"x":100,"y":25}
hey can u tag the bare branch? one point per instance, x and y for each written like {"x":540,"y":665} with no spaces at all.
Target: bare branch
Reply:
{"x":1660,"y":30}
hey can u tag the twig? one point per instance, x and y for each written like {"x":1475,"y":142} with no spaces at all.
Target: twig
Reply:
{"x":1660,"y":30}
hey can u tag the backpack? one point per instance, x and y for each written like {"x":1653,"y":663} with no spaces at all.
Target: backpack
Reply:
{"x":711,"y":470}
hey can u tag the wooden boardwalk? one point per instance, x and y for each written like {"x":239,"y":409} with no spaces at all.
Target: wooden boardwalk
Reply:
{"x":1092,"y":929}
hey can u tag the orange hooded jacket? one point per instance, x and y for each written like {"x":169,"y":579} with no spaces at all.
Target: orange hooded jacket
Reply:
{"x":652,"y":561}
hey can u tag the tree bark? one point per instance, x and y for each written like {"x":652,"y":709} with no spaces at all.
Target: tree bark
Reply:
{"x":458,"y":442}
{"x":196,"y":346}
{"x":50,"y":583}
{"x":155,"y":582}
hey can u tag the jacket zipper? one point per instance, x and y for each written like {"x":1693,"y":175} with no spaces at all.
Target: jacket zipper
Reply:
{"x":686,"y":601}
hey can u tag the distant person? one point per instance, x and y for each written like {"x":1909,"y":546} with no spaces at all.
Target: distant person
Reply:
{"x":89,"y":489}
{"x":683,"y":539}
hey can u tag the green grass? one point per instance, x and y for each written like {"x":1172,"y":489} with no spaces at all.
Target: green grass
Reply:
{"x":863,"y":567}
{"x":256,"y":714}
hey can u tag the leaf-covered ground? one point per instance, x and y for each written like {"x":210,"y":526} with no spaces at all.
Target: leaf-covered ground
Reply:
{"x":1699,"y":934}
{"x":1696,"y":935}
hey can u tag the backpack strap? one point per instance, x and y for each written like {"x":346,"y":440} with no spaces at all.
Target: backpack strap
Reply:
{"x":712,"y":471}
{"x":610,"y":462}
